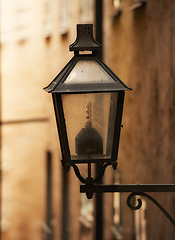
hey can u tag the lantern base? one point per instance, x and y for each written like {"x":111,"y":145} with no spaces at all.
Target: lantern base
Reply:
{"x":89,"y":180}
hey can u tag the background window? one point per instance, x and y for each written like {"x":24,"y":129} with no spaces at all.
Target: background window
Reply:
{"x":86,"y":218}
{"x":140,"y":221}
{"x":47,"y":18}
{"x":117,"y":213}
{"x":86,"y":11}
{"x":117,"y":7}
{"x":22,"y":16}
{"x":64,"y":16}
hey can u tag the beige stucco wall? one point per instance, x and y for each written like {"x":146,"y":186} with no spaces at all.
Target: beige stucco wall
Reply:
{"x":139,"y":47}
{"x":27,"y":66}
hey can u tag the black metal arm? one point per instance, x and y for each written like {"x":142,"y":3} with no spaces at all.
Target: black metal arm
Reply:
{"x":130,"y":188}
{"x":134,"y":189}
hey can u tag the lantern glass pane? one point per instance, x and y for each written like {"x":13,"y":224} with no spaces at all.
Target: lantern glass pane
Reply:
{"x":85,"y":68}
{"x":90,"y":120}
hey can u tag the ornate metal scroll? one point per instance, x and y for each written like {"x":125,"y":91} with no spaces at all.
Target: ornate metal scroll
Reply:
{"x":139,"y":204}
{"x":89,"y":179}
{"x":134,"y":190}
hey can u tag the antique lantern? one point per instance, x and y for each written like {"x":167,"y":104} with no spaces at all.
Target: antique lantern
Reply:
{"x":88,"y":101}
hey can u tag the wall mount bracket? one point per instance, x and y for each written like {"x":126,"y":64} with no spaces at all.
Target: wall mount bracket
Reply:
{"x":134,"y":190}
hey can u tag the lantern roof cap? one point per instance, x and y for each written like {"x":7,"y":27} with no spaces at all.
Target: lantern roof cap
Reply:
{"x":76,"y":77}
{"x":85,"y":39}
{"x":85,"y":73}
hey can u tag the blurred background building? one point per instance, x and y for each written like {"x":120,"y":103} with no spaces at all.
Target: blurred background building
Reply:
{"x":39,"y":200}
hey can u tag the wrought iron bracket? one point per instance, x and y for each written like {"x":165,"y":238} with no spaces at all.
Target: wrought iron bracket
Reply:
{"x":135,"y":190}
{"x":89,"y":180}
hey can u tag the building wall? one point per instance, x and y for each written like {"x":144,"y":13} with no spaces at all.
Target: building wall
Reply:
{"x":35,"y":36}
{"x":139,"y":47}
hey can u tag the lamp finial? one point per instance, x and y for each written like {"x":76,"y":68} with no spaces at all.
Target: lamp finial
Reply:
{"x":85,"y":39}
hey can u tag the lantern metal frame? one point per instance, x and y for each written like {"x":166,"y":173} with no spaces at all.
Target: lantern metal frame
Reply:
{"x":85,"y":41}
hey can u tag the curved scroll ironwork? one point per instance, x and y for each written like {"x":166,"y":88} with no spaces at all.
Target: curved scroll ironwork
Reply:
{"x":139,"y":204}
{"x":91,"y":180}
{"x":77,"y":172}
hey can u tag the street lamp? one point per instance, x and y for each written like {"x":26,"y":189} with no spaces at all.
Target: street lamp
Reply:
{"x":88,"y":101}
